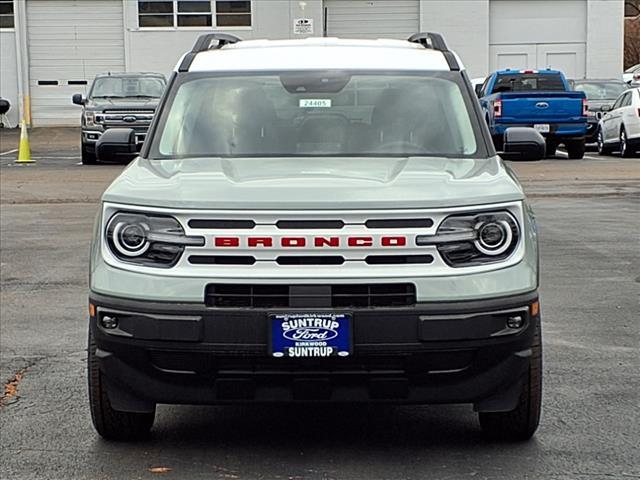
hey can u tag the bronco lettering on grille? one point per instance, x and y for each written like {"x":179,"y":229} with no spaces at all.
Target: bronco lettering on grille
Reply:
{"x":316,"y":242}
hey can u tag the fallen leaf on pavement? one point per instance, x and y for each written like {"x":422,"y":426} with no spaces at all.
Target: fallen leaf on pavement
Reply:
{"x":160,"y":469}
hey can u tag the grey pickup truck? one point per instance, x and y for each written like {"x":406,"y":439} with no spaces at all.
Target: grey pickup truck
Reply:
{"x":118,"y":100}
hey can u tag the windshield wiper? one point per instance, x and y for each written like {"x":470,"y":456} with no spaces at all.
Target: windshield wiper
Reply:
{"x":108,"y":96}
{"x":142,"y":96}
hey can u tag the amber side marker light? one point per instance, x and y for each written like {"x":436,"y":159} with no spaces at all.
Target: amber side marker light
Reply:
{"x":92,"y":310}
{"x":535,"y":309}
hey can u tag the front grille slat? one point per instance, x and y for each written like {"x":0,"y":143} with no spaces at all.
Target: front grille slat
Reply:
{"x":313,"y":296}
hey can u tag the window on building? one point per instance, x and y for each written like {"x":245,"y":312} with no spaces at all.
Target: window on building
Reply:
{"x":6,"y":14}
{"x":193,"y":13}
{"x":233,"y":13}
{"x":631,"y":8}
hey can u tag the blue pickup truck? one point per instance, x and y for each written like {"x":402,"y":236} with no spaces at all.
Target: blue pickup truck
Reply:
{"x":542,"y":99}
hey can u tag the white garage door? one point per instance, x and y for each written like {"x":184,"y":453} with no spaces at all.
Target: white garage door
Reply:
{"x":569,"y":58}
{"x":537,"y":35}
{"x":372,"y":18}
{"x":70,"y":41}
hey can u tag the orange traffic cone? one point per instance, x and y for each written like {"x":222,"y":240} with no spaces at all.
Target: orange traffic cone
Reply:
{"x":24,"y":150}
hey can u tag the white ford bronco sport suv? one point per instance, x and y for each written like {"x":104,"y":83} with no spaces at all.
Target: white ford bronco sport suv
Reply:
{"x":316,"y":220}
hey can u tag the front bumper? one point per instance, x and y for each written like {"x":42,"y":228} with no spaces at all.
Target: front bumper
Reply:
{"x":436,"y":352}
{"x":91,"y":136}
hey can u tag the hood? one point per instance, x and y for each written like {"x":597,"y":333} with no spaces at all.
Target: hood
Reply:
{"x":314,"y":183}
{"x":124,"y":103}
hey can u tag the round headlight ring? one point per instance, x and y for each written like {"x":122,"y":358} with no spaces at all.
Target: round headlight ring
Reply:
{"x":131,"y":239}
{"x":487,"y":232}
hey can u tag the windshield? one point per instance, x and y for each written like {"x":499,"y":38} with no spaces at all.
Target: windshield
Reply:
{"x":632,"y":69}
{"x":123,"y":87}
{"x":317,"y":114}
{"x":601,"y":90}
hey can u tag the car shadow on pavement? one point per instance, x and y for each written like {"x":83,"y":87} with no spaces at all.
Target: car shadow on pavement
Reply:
{"x":293,"y":426}
{"x":300,"y":442}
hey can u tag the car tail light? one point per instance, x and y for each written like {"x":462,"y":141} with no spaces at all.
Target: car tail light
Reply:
{"x":585,"y":107}
{"x":497,"y":108}
{"x":639,"y":112}
{"x":528,"y":71}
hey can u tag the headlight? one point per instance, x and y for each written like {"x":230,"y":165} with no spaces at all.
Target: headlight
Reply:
{"x":150,"y":240}
{"x":591,"y":113}
{"x":476,"y":239}
{"x":89,"y":119}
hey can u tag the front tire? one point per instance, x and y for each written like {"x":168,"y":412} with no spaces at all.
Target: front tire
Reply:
{"x":522,"y":422}
{"x":109,"y":423}
{"x":88,"y":158}
{"x":498,"y":142}
{"x":575,"y":149}
{"x":551,"y":148}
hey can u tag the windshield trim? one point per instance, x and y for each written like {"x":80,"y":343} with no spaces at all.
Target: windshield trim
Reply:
{"x":152,"y":152}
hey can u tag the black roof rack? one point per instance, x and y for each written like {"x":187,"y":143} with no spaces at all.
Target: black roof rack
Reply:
{"x":435,"y":41}
{"x":204,"y":43}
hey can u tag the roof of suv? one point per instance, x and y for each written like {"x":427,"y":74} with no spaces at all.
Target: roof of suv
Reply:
{"x":320,"y":53}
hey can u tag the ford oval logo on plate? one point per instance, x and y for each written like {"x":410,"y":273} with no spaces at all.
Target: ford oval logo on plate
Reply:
{"x":302,"y":335}
{"x":542,"y":105}
{"x":129,"y":119}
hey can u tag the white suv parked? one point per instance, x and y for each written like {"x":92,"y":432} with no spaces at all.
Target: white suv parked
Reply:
{"x":316,"y":220}
{"x":620,"y":128}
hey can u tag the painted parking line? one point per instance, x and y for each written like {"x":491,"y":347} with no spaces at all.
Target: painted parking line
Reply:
{"x":7,"y":153}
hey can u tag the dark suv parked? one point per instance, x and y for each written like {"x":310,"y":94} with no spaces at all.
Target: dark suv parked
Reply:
{"x":118,"y":100}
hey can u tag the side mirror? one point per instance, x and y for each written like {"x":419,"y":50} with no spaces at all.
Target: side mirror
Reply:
{"x":605,"y":108}
{"x":78,"y":99}
{"x":116,"y":144}
{"x":478,"y":89}
{"x":523,"y":143}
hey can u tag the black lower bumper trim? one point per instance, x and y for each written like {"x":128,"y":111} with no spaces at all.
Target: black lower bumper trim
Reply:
{"x":460,"y":352}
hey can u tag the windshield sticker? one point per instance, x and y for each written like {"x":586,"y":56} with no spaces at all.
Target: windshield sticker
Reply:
{"x":315,"y":103}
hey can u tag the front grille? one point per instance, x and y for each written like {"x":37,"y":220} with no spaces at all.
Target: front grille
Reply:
{"x":310,"y":296}
{"x":136,"y":119}
{"x":400,"y":223}
{"x":311,"y":224}
{"x":257,"y":363}
{"x":222,"y":224}
{"x":310,"y":260}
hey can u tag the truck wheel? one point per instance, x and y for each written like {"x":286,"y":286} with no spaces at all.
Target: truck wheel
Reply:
{"x":603,"y":149}
{"x":551,"y":149}
{"x":109,"y":423}
{"x":575,"y":149}
{"x":521,"y":423}
{"x":498,"y":142}
{"x":88,"y":158}
{"x":625,"y":150}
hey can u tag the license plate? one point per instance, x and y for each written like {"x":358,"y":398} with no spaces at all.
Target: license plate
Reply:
{"x":308,"y":335}
{"x":542,"y":127}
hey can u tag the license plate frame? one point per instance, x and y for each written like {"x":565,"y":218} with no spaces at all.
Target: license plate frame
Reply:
{"x":310,"y":334}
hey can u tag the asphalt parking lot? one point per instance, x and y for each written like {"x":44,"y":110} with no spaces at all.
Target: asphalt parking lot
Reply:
{"x":589,"y":216}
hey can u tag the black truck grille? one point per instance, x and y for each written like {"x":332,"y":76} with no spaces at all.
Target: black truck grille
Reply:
{"x":310,"y":296}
